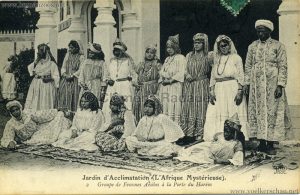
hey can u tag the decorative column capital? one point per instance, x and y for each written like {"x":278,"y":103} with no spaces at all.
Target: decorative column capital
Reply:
{"x":76,"y":24}
{"x":130,"y":20}
{"x":105,"y":8}
{"x":46,"y":10}
{"x":289,"y":7}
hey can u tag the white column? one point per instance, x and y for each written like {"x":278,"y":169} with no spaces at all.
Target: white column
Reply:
{"x":289,"y":35}
{"x":130,"y":34}
{"x":77,"y":29}
{"x":47,"y":31}
{"x":105,"y":33}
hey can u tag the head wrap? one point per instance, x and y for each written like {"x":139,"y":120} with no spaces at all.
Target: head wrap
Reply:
{"x":118,"y":44}
{"x":217,"y":53}
{"x":173,"y":41}
{"x":158,"y":107}
{"x":265,"y":23}
{"x":235,"y":119}
{"x":152,"y":48}
{"x":117,"y":100}
{"x":202,"y":37}
{"x":14,"y":103}
{"x":46,"y":49}
{"x":95,"y":47}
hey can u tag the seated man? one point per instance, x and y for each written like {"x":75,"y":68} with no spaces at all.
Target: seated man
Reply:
{"x":156,"y":133}
{"x":39,"y":127}
{"x":226,"y":148}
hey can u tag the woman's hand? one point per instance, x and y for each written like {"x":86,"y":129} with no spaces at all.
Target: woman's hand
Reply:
{"x":74,"y":134}
{"x":212,"y":96}
{"x":278,"y":92}
{"x":189,"y":78}
{"x":239,"y":97}
{"x":246,"y":89}
{"x":110,"y":82}
{"x":12,"y":145}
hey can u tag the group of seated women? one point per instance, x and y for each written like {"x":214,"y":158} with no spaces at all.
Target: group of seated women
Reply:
{"x":155,"y":135}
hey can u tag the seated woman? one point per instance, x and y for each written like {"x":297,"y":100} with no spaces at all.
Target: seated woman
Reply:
{"x":226,"y":148}
{"x":111,"y":136}
{"x":39,"y":127}
{"x":87,"y":120}
{"x":156,"y":133}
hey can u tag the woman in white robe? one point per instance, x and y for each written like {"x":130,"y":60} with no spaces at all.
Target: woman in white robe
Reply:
{"x":171,"y":79}
{"x":42,"y":91}
{"x":32,"y":127}
{"x":226,"y":83}
{"x":156,"y":133}
{"x":86,"y":122}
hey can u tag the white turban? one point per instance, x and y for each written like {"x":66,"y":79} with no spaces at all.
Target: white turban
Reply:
{"x":14,"y":103}
{"x":265,"y":23}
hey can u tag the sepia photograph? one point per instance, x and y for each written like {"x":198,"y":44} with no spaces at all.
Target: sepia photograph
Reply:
{"x":149,"y":97}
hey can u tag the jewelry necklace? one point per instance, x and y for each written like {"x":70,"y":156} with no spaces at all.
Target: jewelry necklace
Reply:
{"x":224,"y":66}
{"x":150,"y":128}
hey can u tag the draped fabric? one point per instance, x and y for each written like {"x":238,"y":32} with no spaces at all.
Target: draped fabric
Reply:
{"x":230,"y":66}
{"x":195,"y":95}
{"x":92,"y":74}
{"x":68,"y":93}
{"x":155,"y":135}
{"x":219,"y":148}
{"x":41,"y":95}
{"x":148,"y":75}
{"x":86,"y":123}
{"x":114,"y":139}
{"x":35,"y":127}
{"x":265,"y":68}
{"x":170,"y":95}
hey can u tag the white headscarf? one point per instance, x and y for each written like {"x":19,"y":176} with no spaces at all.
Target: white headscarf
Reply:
{"x":265,"y":23}
{"x":217,"y":53}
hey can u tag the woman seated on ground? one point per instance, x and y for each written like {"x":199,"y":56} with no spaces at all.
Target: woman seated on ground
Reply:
{"x":39,"y":127}
{"x":156,"y":133}
{"x":226,"y":148}
{"x":87,"y":121}
{"x":111,"y":136}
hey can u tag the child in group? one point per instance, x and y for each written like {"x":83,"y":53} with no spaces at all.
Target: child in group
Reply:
{"x":226,"y":148}
{"x":111,"y":136}
{"x":87,"y":121}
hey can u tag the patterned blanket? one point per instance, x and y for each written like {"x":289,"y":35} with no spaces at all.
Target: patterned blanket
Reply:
{"x":134,"y":162}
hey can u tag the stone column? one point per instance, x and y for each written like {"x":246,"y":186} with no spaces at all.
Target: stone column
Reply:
{"x":47,"y":31}
{"x":289,"y":35}
{"x":131,"y":34}
{"x":105,"y":33}
{"x":77,"y":30}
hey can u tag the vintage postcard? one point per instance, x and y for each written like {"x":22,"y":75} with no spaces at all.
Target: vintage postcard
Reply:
{"x":149,"y":97}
